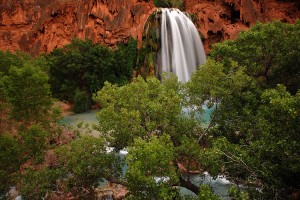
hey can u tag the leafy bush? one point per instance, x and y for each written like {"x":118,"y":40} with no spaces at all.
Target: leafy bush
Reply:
{"x":147,"y":160}
{"x":9,"y":59}
{"x":86,"y":162}
{"x":27,"y":90}
{"x":137,"y":109}
{"x":10,"y":159}
{"x":84,"y":66}
{"x":254,"y":81}
{"x":207,"y":193}
{"x":269,"y":52}
{"x":81,"y":101}
{"x":38,"y":184}
{"x":35,"y":143}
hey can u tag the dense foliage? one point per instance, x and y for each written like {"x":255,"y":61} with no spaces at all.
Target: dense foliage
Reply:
{"x":28,"y":129}
{"x":86,"y":162}
{"x":270,"y":53}
{"x":150,"y":175}
{"x":80,"y":69}
{"x":149,"y":109}
{"x":28,"y":91}
{"x":10,"y":159}
{"x":254,"y":81}
{"x":253,"y":137}
{"x":137,"y":110}
{"x":26,"y":115}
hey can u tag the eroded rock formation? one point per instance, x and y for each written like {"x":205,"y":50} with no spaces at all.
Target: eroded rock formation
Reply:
{"x":42,"y":25}
{"x":36,"y":26}
{"x":224,"y":19}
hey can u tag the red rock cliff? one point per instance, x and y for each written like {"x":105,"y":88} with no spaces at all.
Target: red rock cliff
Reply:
{"x":42,"y":25}
{"x":36,"y":26}
{"x":224,"y":19}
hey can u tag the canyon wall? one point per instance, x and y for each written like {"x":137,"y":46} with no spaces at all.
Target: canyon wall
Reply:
{"x":35,"y":26}
{"x":41,"y":25}
{"x":219,"y":20}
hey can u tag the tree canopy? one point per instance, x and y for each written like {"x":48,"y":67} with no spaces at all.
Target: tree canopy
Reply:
{"x":150,"y":175}
{"x":254,"y":80}
{"x":27,"y":114}
{"x":82,"y":68}
{"x":269,"y":52}
{"x":252,"y":138}
{"x":139,"y":109}
{"x":26,"y":88}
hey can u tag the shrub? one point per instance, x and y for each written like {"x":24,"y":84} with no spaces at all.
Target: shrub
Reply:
{"x":81,"y":101}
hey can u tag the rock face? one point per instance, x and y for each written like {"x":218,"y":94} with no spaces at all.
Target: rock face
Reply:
{"x":224,"y":19}
{"x":35,"y":26}
{"x":41,"y":25}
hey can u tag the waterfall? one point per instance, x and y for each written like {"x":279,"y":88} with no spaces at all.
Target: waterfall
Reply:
{"x":181,"y":47}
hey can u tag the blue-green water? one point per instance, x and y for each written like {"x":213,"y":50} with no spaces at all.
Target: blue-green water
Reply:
{"x":90,"y":117}
{"x":83,"y":123}
{"x":204,"y":116}
{"x":85,"y":118}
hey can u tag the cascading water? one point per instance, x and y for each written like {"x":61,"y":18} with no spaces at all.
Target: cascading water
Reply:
{"x":181,"y":47}
{"x":171,"y":43}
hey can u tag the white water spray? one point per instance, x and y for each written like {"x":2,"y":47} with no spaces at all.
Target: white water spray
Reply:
{"x":181,"y":47}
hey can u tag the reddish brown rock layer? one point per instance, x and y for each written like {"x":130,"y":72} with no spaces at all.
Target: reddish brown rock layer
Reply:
{"x":224,"y":19}
{"x":36,"y":26}
{"x":42,"y":25}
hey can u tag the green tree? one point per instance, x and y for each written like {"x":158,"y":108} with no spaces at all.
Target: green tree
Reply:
{"x":262,"y":148}
{"x":26,"y":133}
{"x":145,"y":109}
{"x":278,"y":122}
{"x":81,"y":101}
{"x":86,"y":162}
{"x":39,"y":184}
{"x":253,"y":135}
{"x":149,"y":160}
{"x":35,"y":142}
{"x":10,"y":160}
{"x":9,"y":59}
{"x":85,"y":66}
{"x":28,"y":92}
{"x":139,"y":109}
{"x":212,"y":82}
{"x":269,"y":52}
